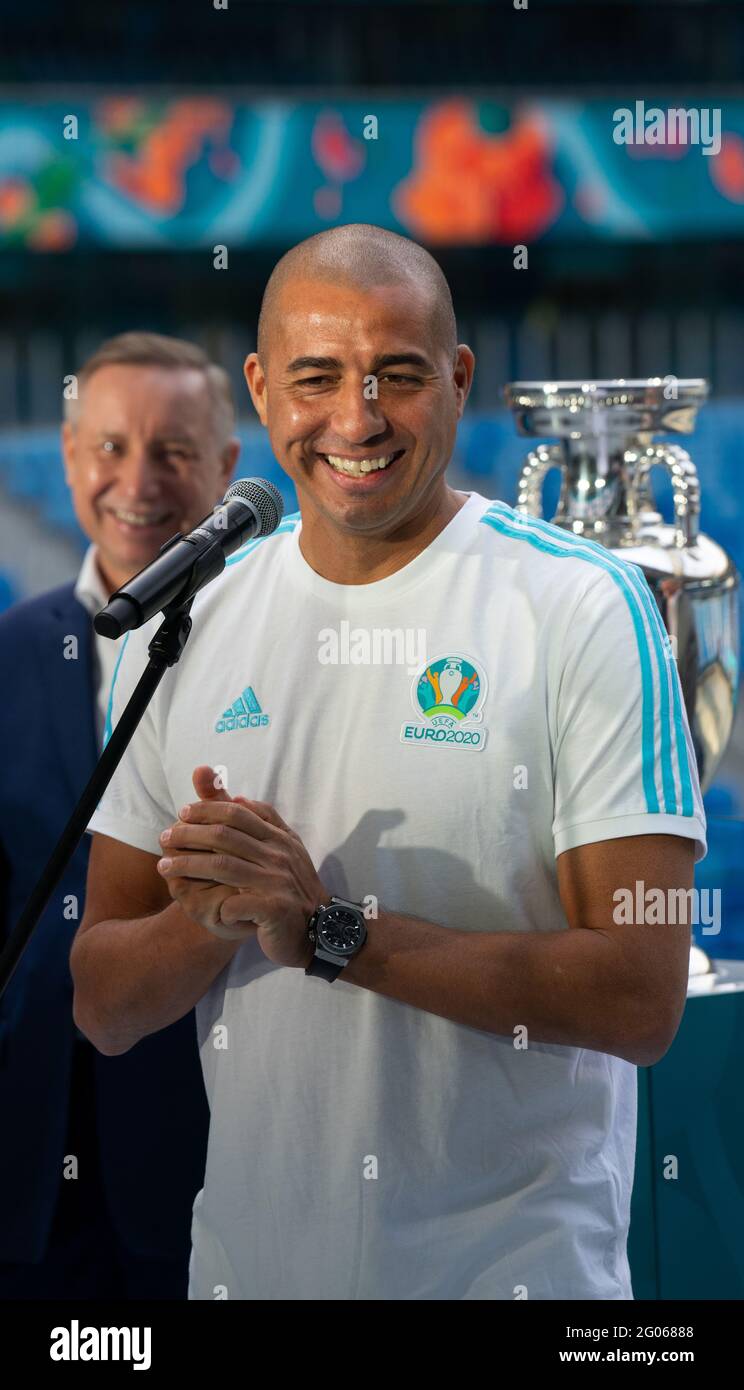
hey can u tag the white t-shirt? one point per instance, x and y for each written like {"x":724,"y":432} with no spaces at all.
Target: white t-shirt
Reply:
{"x":360,"y":1148}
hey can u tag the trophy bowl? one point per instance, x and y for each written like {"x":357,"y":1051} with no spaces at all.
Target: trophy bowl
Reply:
{"x":605,"y":451}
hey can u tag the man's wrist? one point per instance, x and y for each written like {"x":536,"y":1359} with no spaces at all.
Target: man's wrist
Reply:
{"x":309,"y":955}
{"x":311,"y":941}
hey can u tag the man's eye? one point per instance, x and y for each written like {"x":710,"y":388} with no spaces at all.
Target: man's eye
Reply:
{"x":109,"y":447}
{"x":313,"y":380}
{"x":399,"y":378}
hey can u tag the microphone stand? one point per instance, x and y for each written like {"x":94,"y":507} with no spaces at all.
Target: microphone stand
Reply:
{"x":164,"y":650}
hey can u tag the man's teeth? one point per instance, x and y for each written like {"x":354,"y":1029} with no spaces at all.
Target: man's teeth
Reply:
{"x":136,"y":518}
{"x":358,"y":466}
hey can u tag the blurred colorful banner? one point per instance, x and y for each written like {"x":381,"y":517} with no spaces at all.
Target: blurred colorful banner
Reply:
{"x":144,"y":172}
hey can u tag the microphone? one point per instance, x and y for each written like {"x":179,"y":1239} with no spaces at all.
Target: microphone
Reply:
{"x":251,"y":507}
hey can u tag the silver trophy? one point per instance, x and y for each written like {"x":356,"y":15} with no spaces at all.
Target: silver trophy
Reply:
{"x":605,"y":453}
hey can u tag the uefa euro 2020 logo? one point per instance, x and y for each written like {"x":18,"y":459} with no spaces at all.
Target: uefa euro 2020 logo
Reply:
{"x":448,"y":695}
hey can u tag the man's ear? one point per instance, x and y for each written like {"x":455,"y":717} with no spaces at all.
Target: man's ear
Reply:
{"x":68,"y":450}
{"x":463,"y":375}
{"x":256,"y":382}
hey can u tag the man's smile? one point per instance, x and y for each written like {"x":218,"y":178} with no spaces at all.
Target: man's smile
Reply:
{"x":360,"y":468}
{"x":130,"y":519}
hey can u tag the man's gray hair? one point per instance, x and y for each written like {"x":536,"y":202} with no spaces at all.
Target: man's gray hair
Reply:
{"x":142,"y":349}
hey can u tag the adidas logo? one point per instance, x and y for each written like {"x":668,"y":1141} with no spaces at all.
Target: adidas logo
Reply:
{"x":244,"y":713}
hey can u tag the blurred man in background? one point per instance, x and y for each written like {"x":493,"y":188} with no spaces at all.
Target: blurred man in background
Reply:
{"x":101,"y":1157}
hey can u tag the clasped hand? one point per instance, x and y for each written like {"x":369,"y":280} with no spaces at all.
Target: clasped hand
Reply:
{"x":237,"y":869}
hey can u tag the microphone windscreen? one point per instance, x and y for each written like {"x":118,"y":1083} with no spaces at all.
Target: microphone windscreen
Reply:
{"x":265,"y":499}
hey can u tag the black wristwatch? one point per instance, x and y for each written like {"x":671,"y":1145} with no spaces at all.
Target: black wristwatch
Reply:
{"x":338,"y":932}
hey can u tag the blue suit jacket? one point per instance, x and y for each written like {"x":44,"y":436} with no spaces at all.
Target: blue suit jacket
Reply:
{"x":152,"y":1109}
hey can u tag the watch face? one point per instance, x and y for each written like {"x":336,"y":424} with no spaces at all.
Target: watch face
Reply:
{"x":340,"y":930}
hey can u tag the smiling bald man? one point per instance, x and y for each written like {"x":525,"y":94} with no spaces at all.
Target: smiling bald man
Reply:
{"x":388,"y":889}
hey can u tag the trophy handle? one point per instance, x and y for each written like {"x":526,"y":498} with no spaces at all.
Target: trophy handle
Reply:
{"x":685,"y":487}
{"x":538,"y":462}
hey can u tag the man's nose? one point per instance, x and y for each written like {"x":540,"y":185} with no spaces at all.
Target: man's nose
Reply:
{"x":357,"y":416}
{"x":138,"y":474}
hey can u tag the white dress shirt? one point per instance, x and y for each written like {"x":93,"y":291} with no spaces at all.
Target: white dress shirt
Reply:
{"x":91,"y":591}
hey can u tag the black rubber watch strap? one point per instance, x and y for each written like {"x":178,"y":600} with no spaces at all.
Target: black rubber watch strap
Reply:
{"x":326,"y":969}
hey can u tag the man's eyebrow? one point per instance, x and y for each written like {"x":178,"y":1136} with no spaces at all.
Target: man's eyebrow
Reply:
{"x":402,"y":359}
{"x":175,"y":436}
{"x":388,"y":359}
{"x":300,"y":364}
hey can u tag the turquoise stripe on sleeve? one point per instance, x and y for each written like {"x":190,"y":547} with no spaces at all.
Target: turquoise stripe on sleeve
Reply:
{"x":683,"y":763}
{"x":668,"y":670}
{"x":110,"y":707}
{"x":585,"y":549}
{"x":550,"y":547}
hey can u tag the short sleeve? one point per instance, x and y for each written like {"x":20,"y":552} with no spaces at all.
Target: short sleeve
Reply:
{"x":136,"y":805}
{"x":623,"y":758}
